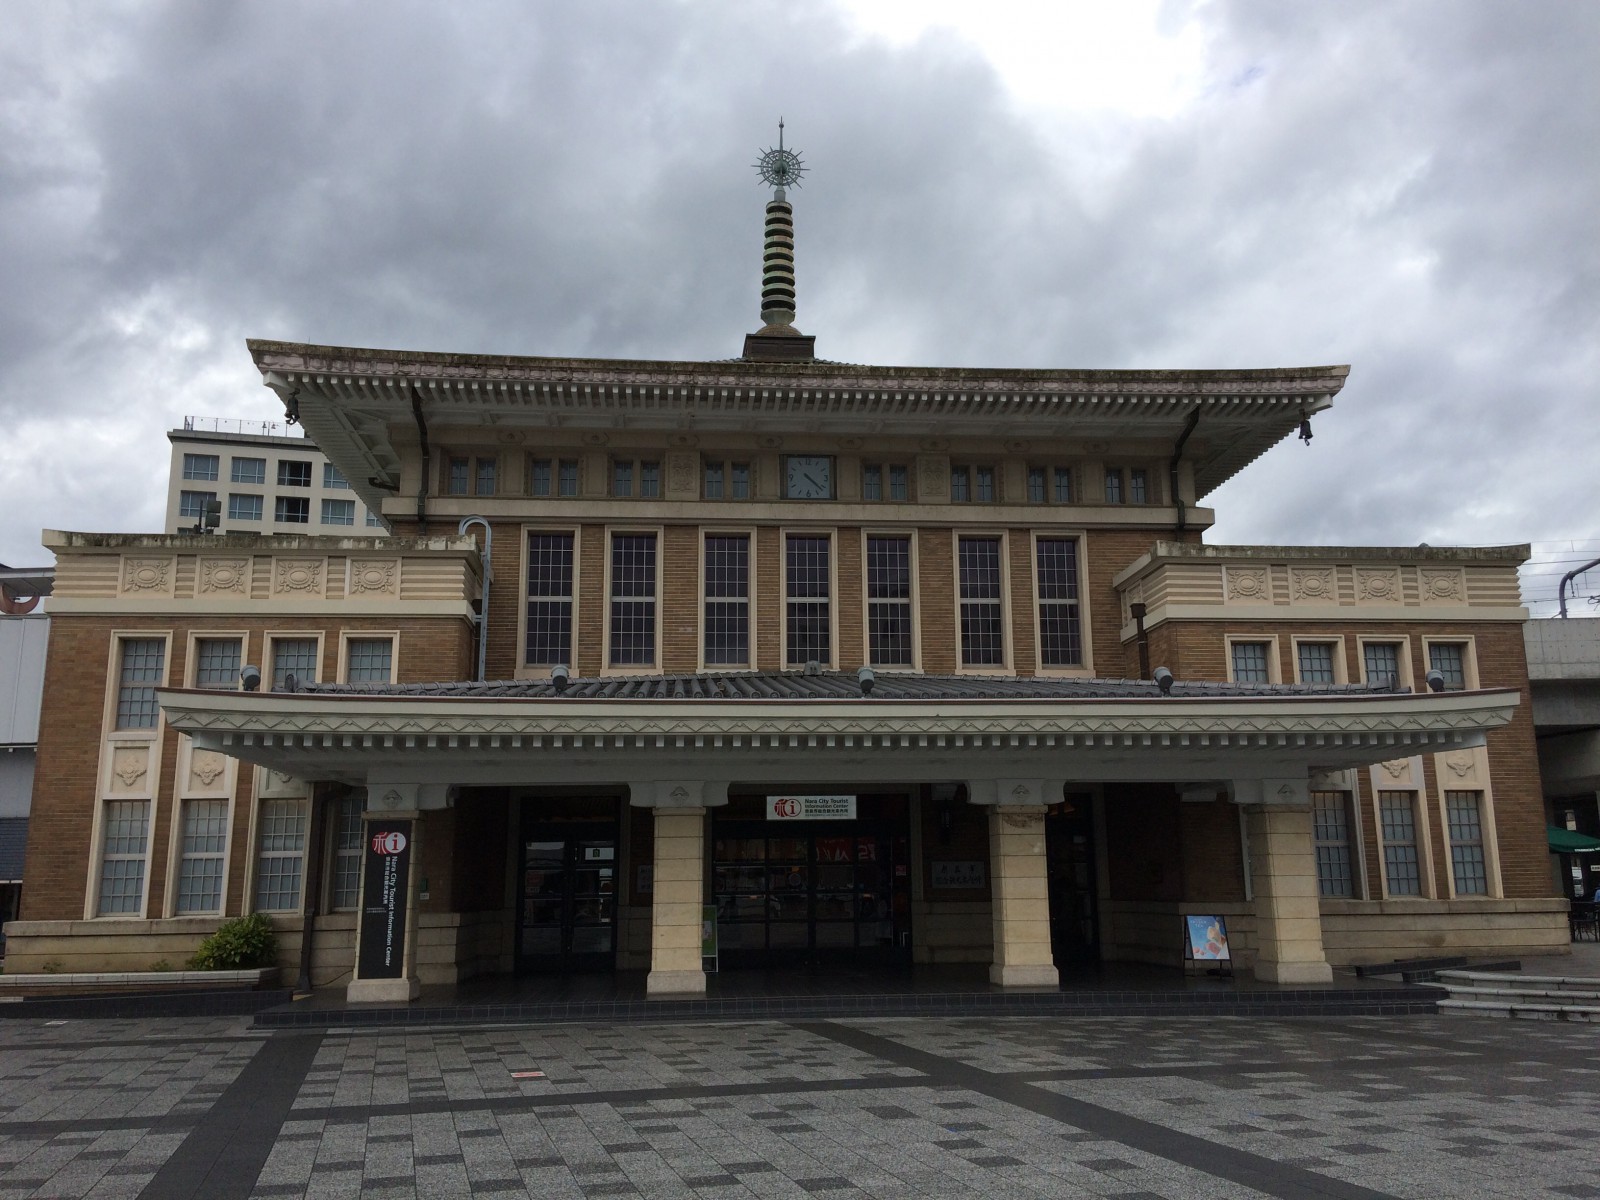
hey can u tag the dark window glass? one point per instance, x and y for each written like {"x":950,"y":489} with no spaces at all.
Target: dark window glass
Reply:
{"x":483,"y":477}
{"x":292,"y":510}
{"x":1398,"y":815}
{"x":539,"y":477}
{"x":1063,"y":484}
{"x":1138,"y":486}
{"x":727,"y":600}
{"x":740,"y":473}
{"x":1330,"y":824}
{"x":338,"y":512}
{"x":982,"y":622}
{"x":568,"y":480}
{"x":899,"y":488}
{"x":1463,"y":812}
{"x":889,"y":601}
{"x":293,"y":656}
{"x":633,"y":599}
{"x":983,"y":485}
{"x":369,"y":660}
{"x":1382,"y":660}
{"x":1114,"y":485}
{"x":549,"y":614}
{"x":192,"y":505}
{"x":622,"y":479}
{"x":217,"y":663}
{"x":333,"y":478}
{"x":1036,"y":493}
{"x":249,"y":470}
{"x":872,"y":483}
{"x":244,"y":508}
{"x":293,"y":472}
{"x":713,"y":481}
{"x":1316,"y":662}
{"x":1250,"y":663}
{"x":808,"y":579}
{"x":650,"y":480}
{"x":960,"y":484}
{"x":1060,"y":630}
{"x":1450,"y":660}
{"x":200,"y":466}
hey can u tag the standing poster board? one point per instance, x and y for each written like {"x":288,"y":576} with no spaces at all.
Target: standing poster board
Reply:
{"x":1206,"y":940}
{"x":709,"y":955}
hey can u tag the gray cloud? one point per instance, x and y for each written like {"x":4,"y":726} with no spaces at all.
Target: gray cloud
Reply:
{"x":1405,"y":187}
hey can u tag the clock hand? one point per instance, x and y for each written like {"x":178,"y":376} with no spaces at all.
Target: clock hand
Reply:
{"x":808,"y":478}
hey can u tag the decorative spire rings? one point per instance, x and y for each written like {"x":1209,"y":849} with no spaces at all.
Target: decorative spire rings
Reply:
{"x":780,"y":168}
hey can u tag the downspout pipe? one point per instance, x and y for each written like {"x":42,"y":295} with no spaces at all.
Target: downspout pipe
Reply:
{"x":1561,"y":592}
{"x":488,"y":579}
{"x":422,"y":432}
{"x":1172,"y":468}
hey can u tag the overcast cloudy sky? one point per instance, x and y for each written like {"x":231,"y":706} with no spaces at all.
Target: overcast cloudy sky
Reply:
{"x":1408,"y":187}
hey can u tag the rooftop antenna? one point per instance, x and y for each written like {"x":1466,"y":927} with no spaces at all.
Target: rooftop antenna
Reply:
{"x":781,"y":169}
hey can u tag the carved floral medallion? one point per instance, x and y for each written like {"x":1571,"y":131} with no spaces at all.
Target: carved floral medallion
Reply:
{"x":224,"y":575}
{"x":1311,"y":584}
{"x":146,"y":575}
{"x":303,"y":575}
{"x":373,"y":575}
{"x":1247,"y":583}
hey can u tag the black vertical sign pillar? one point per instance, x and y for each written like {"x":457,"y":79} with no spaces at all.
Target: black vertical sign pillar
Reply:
{"x":383,"y":900}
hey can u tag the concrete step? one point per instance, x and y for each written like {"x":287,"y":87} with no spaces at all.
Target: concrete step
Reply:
{"x":1588,"y":1013}
{"x":1502,"y":979}
{"x":1530,"y":994}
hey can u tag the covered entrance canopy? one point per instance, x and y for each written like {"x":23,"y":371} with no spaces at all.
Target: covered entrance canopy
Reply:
{"x":676,"y":744}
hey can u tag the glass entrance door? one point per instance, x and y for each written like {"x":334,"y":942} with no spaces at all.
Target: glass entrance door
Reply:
{"x":568,"y":910}
{"x":831,"y":892}
{"x":1069,"y":850}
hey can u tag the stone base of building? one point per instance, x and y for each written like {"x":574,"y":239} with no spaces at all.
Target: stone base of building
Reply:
{"x":1293,"y":972}
{"x":666,"y":985}
{"x":382,"y":991}
{"x":1031,"y":976}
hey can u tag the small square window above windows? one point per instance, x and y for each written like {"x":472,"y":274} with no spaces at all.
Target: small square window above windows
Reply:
{"x":292,"y":510}
{"x":338,"y":512}
{"x":294,"y":472}
{"x":200,"y":466}
{"x":249,"y":470}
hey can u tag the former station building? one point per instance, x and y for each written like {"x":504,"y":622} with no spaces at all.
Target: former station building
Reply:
{"x":828,"y":662}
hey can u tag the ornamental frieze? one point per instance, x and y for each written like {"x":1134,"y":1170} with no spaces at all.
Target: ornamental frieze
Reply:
{"x":147,"y":576}
{"x":224,"y":576}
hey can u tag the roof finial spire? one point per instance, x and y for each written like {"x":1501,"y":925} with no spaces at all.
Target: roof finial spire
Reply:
{"x":781,"y":168}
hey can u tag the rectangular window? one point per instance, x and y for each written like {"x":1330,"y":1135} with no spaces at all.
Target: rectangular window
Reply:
{"x":217,"y":662}
{"x":338,"y":512}
{"x":345,"y":890}
{"x":567,"y":478}
{"x":202,"y":847}
{"x":1382,"y":663}
{"x":899,"y":482}
{"x":1060,"y":629}
{"x":960,"y":484}
{"x":281,"y":856}
{"x":1250,"y":664}
{"x":374,"y":521}
{"x":122,"y":850}
{"x":333,"y":478}
{"x":549,"y":614}
{"x":1397,"y":815}
{"x":1063,"y":485}
{"x":192,"y":505}
{"x":727,"y":600}
{"x":622,"y":479}
{"x":139,"y":674}
{"x":1036,"y":485}
{"x":1114,"y":485}
{"x":483,"y":477}
{"x":983,"y":642}
{"x":889,"y":601}
{"x":633,"y":599}
{"x":1138,"y":486}
{"x":649,"y":480}
{"x":1316,"y":662}
{"x":713,"y":481}
{"x":1450,"y":660}
{"x":248,"y":470}
{"x":1330,"y":825}
{"x":296,"y":657}
{"x":369,"y":660}
{"x":468,"y":476}
{"x":293,"y":472}
{"x":983,"y":485}
{"x":739,"y":480}
{"x":808,"y":578}
{"x":1464,"y":814}
{"x":872,"y":483}
{"x":200,"y":466}
{"x":244,"y":508}
{"x":539,"y":477}
{"x":292,"y":510}
{"x":458,"y":475}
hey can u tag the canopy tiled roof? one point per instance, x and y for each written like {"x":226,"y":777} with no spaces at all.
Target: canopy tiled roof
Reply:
{"x":836,"y":686}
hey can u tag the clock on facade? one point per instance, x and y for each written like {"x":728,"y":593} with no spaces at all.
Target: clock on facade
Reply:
{"x":808,"y":477}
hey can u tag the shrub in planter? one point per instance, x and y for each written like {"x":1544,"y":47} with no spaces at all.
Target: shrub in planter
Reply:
{"x":238,"y":945}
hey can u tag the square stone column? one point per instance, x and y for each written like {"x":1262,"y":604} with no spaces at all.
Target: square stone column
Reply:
{"x":1283,"y":870}
{"x":1021,"y":890}
{"x":677,"y":904}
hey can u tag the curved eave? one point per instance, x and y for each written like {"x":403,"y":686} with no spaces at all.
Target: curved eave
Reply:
{"x":348,"y":398}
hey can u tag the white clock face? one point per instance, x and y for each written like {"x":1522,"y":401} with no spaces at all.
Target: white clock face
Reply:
{"x":808,"y":477}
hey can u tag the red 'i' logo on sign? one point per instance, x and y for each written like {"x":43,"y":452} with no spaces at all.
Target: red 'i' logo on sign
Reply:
{"x":786,"y":808}
{"x":388,"y":843}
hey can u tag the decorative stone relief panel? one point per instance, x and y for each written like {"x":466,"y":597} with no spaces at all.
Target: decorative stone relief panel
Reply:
{"x":373,"y":577}
{"x":1458,"y":768}
{"x":299,"y":576}
{"x":933,"y":477}
{"x":224,"y":576}
{"x":1377,"y":585}
{"x":1446,"y":585}
{"x":277,"y":784}
{"x":208,"y":772}
{"x":1396,"y":773}
{"x":1246,"y":585}
{"x":1311,"y":585}
{"x":681,"y":481}
{"x":130,"y":771}
{"x":148,"y":576}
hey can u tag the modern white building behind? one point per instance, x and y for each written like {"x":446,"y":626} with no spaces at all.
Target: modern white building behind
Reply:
{"x":265,"y":480}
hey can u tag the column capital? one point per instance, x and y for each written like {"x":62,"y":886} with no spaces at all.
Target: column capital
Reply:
{"x":409,"y":797}
{"x":1015,"y":793}
{"x":1284,"y":791}
{"x":678,"y":793}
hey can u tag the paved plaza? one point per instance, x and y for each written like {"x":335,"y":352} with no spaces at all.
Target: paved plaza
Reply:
{"x":1134,"y":1108}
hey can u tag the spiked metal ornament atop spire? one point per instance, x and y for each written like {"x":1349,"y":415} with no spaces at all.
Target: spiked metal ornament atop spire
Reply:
{"x":779,"y":167}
